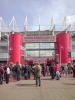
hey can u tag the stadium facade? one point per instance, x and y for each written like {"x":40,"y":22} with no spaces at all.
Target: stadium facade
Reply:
{"x":37,"y":46}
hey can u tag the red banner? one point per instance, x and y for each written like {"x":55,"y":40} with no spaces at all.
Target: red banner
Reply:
{"x":29,"y":39}
{"x":40,"y":58}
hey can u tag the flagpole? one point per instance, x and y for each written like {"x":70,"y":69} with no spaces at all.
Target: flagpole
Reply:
{"x":8,"y":50}
{"x":19,"y":55}
{"x":60,"y":56}
{"x":39,"y":35}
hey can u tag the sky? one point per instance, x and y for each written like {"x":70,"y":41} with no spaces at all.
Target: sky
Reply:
{"x":46,"y":9}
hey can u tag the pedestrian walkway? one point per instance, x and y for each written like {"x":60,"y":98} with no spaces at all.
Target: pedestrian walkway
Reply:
{"x":63,"y":89}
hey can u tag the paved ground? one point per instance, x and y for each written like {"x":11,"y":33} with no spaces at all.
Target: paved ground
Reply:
{"x":63,"y":89}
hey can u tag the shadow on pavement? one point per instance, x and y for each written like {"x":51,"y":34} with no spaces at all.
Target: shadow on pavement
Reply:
{"x":72,"y":79}
{"x":69,"y":84}
{"x":46,"y":79}
{"x":32,"y":85}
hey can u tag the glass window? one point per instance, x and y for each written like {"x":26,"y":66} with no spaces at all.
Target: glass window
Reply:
{"x":47,"y":46}
{"x":72,"y":54}
{"x":3,"y":55}
{"x":32,"y":53}
{"x":32,"y":45}
{"x":3,"y":47}
{"x":36,"y":53}
{"x":42,"y":46}
{"x":46,"y":52}
{"x":73,"y":46}
{"x":42,"y":53}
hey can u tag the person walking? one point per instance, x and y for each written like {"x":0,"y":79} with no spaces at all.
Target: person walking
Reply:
{"x":57,"y":69}
{"x":29,"y":72}
{"x":7,"y":74}
{"x":26,"y":71}
{"x":53,"y":71}
{"x":65,"y":70}
{"x":38,"y":74}
{"x":74,"y":71}
{"x":18,"y":71}
{"x":33,"y":71}
{"x":43,"y":70}
{"x":1,"y":72}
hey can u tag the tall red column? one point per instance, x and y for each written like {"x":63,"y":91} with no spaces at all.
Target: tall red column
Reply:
{"x":63,"y":47}
{"x":15,"y":48}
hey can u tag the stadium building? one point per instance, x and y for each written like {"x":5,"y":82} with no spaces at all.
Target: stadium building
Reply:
{"x":44,"y":46}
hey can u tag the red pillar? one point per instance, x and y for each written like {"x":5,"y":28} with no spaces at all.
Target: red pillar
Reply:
{"x":15,"y":48}
{"x":63,"y":47}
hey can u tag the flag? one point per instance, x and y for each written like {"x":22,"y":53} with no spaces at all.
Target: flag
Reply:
{"x":22,"y":48}
{"x":10,"y":48}
{"x":61,"y":46}
{"x":68,"y":48}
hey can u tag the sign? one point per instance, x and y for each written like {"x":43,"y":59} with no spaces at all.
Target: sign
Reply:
{"x":10,"y":48}
{"x":33,"y":39}
{"x":40,"y":58}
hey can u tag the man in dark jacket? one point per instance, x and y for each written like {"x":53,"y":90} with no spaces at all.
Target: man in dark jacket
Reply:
{"x":18,"y":71}
{"x":74,"y":71}
{"x":52,"y":71}
{"x":1,"y":72}
{"x":26,"y":68}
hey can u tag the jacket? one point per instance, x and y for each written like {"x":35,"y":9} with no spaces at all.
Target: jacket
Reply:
{"x":38,"y":71}
{"x":57,"y":67}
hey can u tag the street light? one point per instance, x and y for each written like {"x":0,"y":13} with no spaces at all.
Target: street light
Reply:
{"x":71,"y":47}
{"x":61,"y":47}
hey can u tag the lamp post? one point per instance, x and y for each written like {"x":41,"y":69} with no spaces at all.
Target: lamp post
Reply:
{"x":72,"y":48}
{"x":61,"y":47}
{"x":8,"y":50}
{"x":60,"y":56}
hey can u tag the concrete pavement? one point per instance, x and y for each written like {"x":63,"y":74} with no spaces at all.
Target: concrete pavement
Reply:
{"x":63,"y":89}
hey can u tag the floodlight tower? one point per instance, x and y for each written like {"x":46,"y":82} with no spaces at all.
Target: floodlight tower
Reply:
{"x":65,"y":25}
{"x":26,"y":25}
{"x":13,"y":26}
{"x":39,"y":24}
{"x":52,"y":25}
{"x":3,"y":27}
{"x":0,"y":27}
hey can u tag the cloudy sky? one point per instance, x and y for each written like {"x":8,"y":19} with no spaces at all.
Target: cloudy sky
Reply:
{"x":58,"y":9}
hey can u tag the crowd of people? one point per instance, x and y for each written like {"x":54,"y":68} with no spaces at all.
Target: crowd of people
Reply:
{"x":17,"y":71}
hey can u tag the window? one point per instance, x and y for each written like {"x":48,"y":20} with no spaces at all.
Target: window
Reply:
{"x":32,"y":45}
{"x":42,"y":45}
{"x":72,"y":54}
{"x":46,"y":52}
{"x":31,"y":53}
{"x":47,"y":46}
{"x":3,"y":55}
{"x":36,"y":53}
{"x":3,"y":47}
{"x":73,"y":46}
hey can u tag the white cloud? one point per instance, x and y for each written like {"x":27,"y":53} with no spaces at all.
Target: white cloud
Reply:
{"x":33,"y":8}
{"x":71,"y":19}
